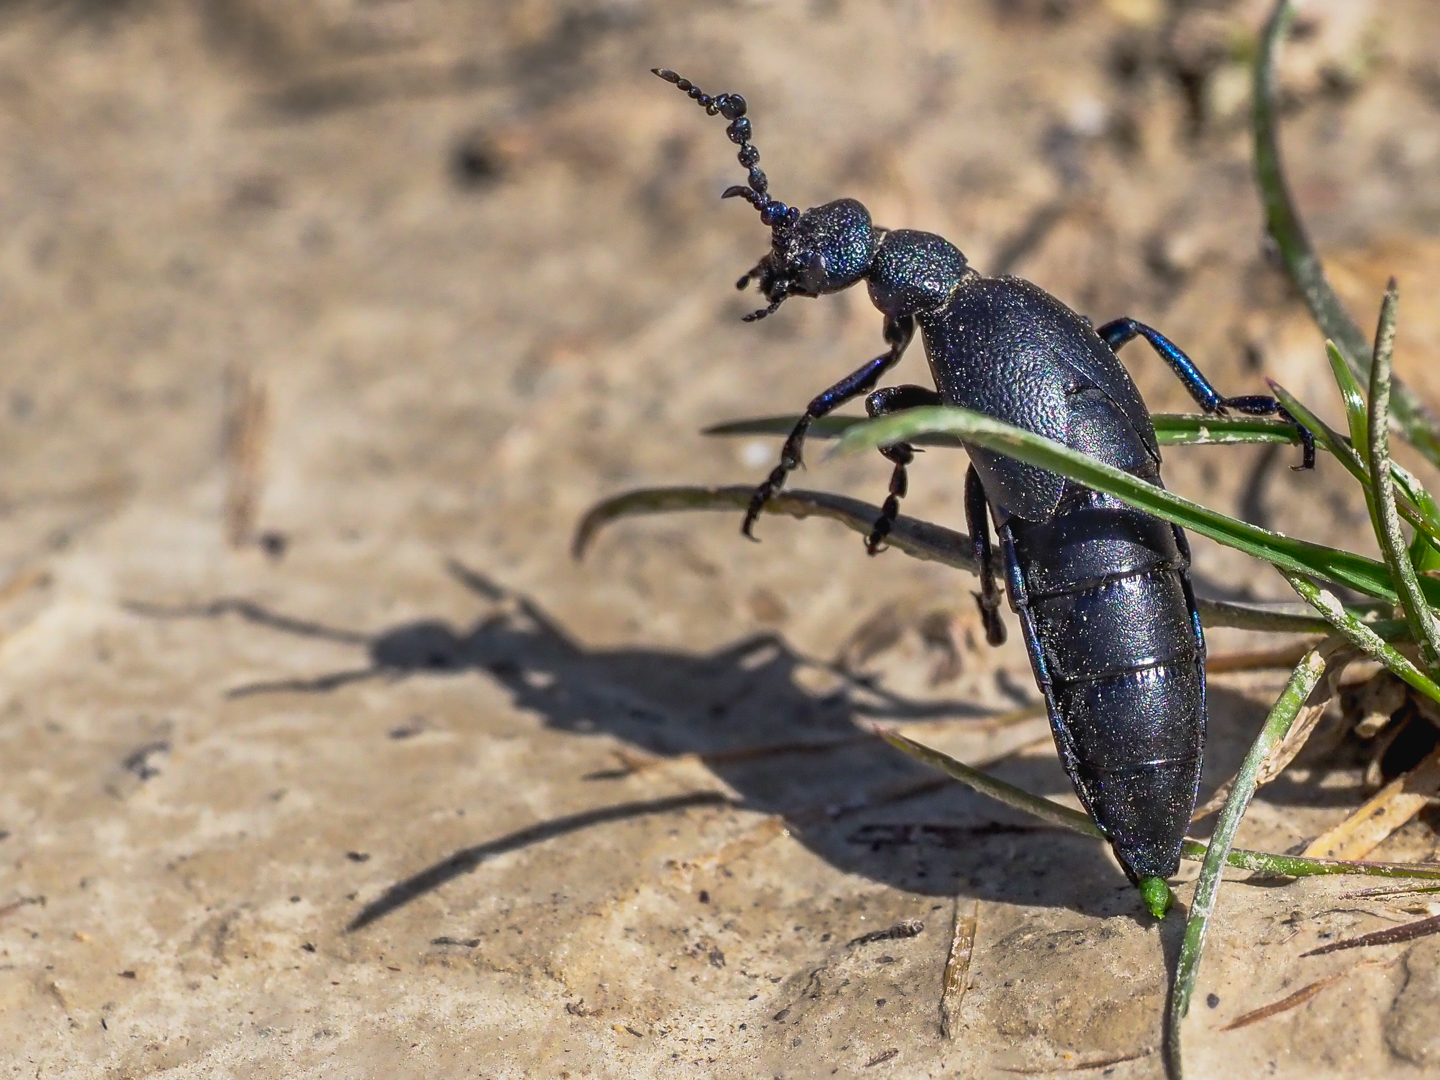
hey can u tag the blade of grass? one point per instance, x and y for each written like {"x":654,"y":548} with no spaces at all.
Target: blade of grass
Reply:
{"x":1303,"y":726}
{"x":1361,"y":635}
{"x":1171,"y":429}
{"x":826,"y":427}
{"x":1191,"y":850}
{"x":1177,"y":429}
{"x":1414,"y":421}
{"x":1387,"y":518}
{"x":1298,"y":556}
{"x":920,"y":540}
{"x":1418,"y":508}
{"x":1356,"y":413}
{"x":1303,"y":680}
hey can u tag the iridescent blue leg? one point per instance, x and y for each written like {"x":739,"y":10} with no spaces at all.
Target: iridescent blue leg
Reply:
{"x":898,"y":333}
{"x":1118,"y":332}
{"x":895,"y":399}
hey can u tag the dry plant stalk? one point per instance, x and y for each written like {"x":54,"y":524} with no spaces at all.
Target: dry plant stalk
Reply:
{"x":246,"y":428}
{"x":1395,"y":804}
{"x":1285,"y":657}
{"x":1381,"y":698}
{"x":1393,"y":936}
{"x":957,"y":970}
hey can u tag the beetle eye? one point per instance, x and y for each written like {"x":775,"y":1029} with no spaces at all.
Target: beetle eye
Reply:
{"x":812,"y":272}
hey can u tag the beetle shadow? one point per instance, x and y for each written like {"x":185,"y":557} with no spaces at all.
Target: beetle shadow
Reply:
{"x":863,"y":806}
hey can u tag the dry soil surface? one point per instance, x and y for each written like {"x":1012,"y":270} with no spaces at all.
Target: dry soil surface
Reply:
{"x":323,"y":323}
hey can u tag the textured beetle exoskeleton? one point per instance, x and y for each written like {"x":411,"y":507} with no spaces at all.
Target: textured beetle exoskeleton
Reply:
{"x":1102,"y":590}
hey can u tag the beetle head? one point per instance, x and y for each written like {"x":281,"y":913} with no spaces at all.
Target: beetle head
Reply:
{"x":826,"y":249}
{"x":823,"y":250}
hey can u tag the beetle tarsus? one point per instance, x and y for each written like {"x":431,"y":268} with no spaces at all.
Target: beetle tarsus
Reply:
{"x":902,"y":454}
{"x":893,"y":399}
{"x":860,"y":380}
{"x":1264,"y":405}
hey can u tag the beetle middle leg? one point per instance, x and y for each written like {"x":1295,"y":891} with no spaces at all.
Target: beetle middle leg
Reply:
{"x":898,"y":333}
{"x":894,"y":399}
{"x":1118,"y":332}
{"x":977,"y":520}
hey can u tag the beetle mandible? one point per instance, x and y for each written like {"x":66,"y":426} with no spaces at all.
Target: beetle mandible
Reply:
{"x":1102,"y":590}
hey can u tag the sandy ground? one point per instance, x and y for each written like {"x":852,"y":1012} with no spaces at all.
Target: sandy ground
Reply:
{"x":323,"y":323}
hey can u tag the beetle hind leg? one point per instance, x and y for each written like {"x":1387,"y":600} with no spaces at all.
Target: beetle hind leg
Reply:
{"x":1264,"y":405}
{"x":977,"y":521}
{"x":893,"y":399}
{"x":1118,"y":332}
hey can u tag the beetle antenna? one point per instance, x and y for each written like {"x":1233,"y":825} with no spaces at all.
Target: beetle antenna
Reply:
{"x":773,"y":212}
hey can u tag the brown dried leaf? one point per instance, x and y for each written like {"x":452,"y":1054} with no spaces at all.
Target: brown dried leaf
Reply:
{"x":1395,"y":804}
{"x":1379,"y":700}
{"x":1407,"y":932}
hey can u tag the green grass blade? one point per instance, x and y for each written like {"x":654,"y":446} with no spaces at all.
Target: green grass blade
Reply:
{"x":1362,"y":635}
{"x":1016,"y":798}
{"x":1341,"y":567}
{"x":1174,"y":429}
{"x":1387,"y":530}
{"x":1418,"y":508}
{"x":1410,"y":486}
{"x":918,"y":539}
{"x":1303,"y":680}
{"x":826,"y":427}
{"x":1171,"y":429}
{"x":1356,"y":412}
{"x":1191,"y":850}
{"x":1414,"y":420}
{"x":1203,"y":429}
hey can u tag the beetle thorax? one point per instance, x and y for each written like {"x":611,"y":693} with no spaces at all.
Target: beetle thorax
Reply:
{"x":914,"y":273}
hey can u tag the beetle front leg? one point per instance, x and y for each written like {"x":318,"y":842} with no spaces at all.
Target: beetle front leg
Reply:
{"x":894,"y":399}
{"x":898,"y":333}
{"x":1118,"y":332}
{"x":977,"y":520}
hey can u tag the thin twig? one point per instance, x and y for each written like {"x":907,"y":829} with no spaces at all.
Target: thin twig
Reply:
{"x":246,"y":428}
{"x":918,"y":539}
{"x":1284,"y":658}
{"x":1305,"y":678}
{"x":1387,"y":518}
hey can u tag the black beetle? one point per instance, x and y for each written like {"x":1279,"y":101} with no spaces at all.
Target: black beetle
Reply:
{"x":1102,"y":590}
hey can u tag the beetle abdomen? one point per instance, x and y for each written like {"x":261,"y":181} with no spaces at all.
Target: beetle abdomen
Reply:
{"x":1116,"y":648}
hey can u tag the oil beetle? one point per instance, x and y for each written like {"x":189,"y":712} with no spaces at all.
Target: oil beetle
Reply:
{"x":1102,"y":590}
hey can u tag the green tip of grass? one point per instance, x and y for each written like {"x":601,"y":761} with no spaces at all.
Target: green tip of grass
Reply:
{"x":1157,"y":894}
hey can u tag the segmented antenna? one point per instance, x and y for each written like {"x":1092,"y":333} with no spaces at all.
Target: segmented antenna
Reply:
{"x":773,"y":212}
